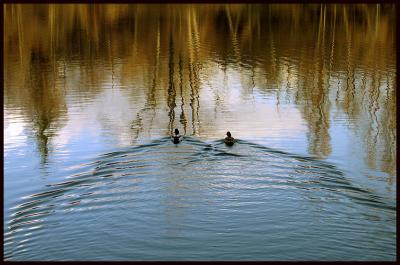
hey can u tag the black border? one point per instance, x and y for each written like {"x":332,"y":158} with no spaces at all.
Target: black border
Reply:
{"x":207,"y":2}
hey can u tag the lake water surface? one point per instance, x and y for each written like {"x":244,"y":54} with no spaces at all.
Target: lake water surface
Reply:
{"x":92,"y":93}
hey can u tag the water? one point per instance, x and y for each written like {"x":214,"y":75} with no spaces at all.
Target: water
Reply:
{"x":90,"y":172}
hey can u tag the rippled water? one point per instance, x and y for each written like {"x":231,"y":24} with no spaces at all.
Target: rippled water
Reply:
{"x":90,"y":172}
{"x":201,"y":200}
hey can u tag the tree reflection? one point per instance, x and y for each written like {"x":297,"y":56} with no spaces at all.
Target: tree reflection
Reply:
{"x":301,"y":51}
{"x":45,"y":102}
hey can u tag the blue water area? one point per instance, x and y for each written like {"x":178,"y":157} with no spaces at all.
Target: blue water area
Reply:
{"x":200,"y":201}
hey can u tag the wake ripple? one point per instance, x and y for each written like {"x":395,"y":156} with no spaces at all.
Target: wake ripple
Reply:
{"x":115,"y":178}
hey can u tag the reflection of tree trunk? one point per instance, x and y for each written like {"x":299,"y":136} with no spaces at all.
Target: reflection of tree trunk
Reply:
{"x":373,"y":109}
{"x":228,"y":14}
{"x":377,"y":19}
{"x":182,"y":117}
{"x":46,"y":103}
{"x":151,"y":102}
{"x":171,"y":86}
{"x":20,"y":33}
{"x":197,"y":67}
{"x":52,"y":25}
{"x":193,"y":77}
{"x":350,"y":81}
{"x":388,"y":126}
{"x":135,"y":39}
{"x":43,"y":124}
{"x":190,"y":64}
{"x":235,"y":43}
{"x":332,"y":44}
{"x":319,"y":138}
{"x":274,"y":59}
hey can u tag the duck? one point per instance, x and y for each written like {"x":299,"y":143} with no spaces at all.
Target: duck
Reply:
{"x":177,"y":138}
{"x":229,"y":140}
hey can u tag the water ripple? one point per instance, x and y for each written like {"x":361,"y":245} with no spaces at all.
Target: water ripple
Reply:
{"x":237,"y":179}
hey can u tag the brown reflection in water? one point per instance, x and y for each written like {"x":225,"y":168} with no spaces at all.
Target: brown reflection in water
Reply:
{"x":319,"y":140}
{"x":194,"y":64}
{"x":171,"y":85}
{"x":41,"y":97}
{"x":299,"y":52}
{"x":182,"y":117}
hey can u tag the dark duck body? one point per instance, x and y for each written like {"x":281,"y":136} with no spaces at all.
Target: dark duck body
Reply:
{"x":229,"y":140}
{"x":176,"y":139}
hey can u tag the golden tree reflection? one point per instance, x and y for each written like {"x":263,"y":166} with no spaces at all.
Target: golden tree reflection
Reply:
{"x":321,"y":56}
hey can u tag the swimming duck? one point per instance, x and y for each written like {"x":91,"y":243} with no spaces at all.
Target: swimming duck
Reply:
{"x":176,"y":139}
{"x":229,"y":140}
